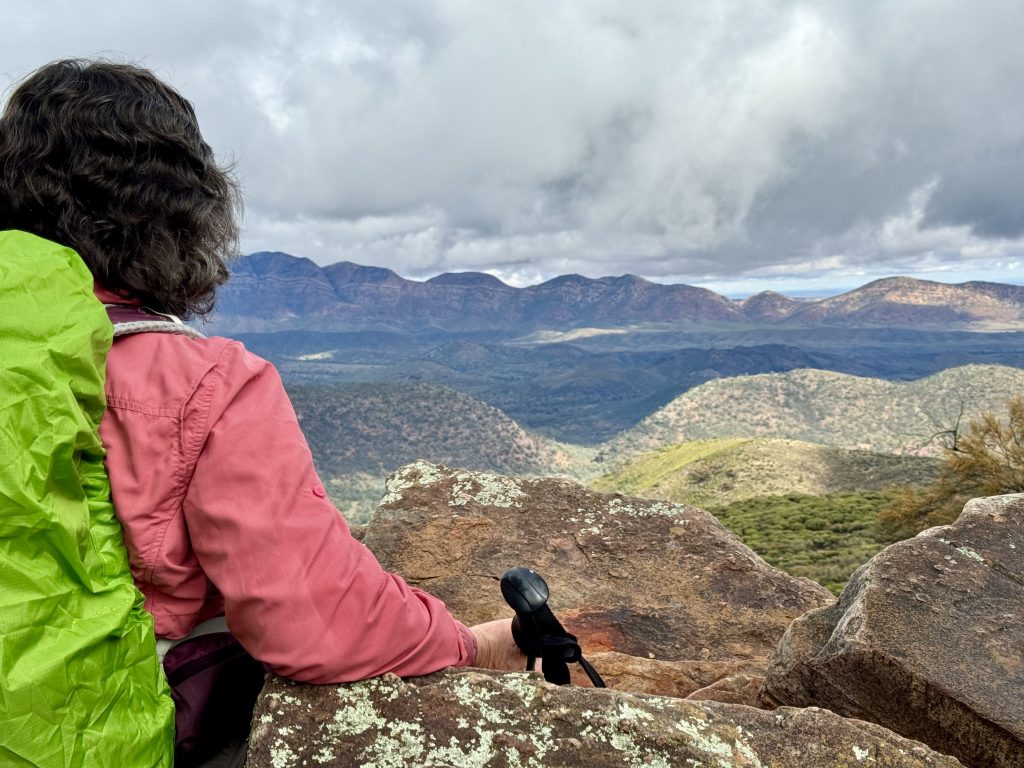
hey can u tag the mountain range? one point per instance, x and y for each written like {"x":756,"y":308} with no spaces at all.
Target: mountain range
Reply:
{"x":272,"y":291}
{"x":793,"y":420}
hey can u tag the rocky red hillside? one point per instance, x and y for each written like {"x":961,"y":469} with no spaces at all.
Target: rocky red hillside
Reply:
{"x":904,"y":301}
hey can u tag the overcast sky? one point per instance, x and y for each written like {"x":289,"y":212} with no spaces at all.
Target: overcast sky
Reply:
{"x":736,"y":144}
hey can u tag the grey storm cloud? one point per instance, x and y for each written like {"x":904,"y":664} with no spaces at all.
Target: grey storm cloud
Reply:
{"x":701,"y":141}
{"x":985,"y":192}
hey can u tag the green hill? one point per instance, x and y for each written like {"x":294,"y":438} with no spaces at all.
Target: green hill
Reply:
{"x":378,"y":427}
{"x":359,"y":433}
{"x":713,"y":473}
{"x":822,"y":407}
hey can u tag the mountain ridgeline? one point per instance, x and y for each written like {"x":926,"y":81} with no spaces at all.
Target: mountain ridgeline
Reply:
{"x":275,"y":291}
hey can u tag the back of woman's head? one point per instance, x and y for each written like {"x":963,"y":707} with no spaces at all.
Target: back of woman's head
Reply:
{"x":107,"y":159}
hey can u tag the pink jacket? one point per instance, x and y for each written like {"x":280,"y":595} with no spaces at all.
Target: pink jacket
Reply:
{"x":222,"y":510}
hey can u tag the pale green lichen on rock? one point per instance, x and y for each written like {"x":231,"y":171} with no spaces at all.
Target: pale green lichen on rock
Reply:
{"x":418,"y":473}
{"x":747,"y":751}
{"x":482,"y":701}
{"x":485,"y":489}
{"x":587,"y":517}
{"x":325,"y":755}
{"x":970,"y":553}
{"x":481,"y":487}
{"x":399,"y":743}
{"x":282,"y":756}
{"x":630,"y":751}
{"x":294,"y":701}
{"x":357,"y":712}
{"x":512,"y":756}
{"x":404,"y":744}
{"x":630,"y":712}
{"x":523,"y":684}
{"x":476,"y":755}
{"x":967,"y":551}
{"x":478,"y":700}
{"x":644,"y":509}
{"x":714,"y":746}
{"x":618,"y":728}
{"x":396,"y":745}
{"x":474,"y":719}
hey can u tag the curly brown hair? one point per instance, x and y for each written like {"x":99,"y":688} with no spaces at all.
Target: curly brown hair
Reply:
{"x":107,"y":159}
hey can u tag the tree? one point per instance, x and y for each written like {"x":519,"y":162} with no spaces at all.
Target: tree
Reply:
{"x":986,"y":461}
{"x":949,"y":429}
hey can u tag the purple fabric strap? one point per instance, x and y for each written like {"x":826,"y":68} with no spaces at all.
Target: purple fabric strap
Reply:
{"x":122,"y":313}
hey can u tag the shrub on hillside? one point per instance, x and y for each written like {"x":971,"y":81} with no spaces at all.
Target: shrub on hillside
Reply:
{"x":824,"y":538}
{"x":986,"y":461}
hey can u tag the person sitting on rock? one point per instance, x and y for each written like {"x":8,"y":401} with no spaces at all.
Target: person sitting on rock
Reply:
{"x":211,"y":477}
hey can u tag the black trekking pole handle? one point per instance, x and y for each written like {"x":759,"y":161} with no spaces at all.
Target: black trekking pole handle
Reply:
{"x":536,"y":630}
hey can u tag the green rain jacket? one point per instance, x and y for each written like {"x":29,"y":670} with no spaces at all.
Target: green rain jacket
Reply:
{"x":80,"y":684}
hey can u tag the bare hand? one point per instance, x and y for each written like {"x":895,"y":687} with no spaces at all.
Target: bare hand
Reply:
{"x":495,"y":648}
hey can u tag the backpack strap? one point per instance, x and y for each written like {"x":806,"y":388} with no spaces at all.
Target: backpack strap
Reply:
{"x":128,"y":319}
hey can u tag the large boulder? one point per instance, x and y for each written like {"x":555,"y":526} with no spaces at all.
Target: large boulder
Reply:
{"x":927,"y":639}
{"x":478,"y":718}
{"x":654,"y":581}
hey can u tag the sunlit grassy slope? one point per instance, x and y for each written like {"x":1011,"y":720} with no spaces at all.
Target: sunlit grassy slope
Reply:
{"x":712,"y":473}
{"x":810,"y":510}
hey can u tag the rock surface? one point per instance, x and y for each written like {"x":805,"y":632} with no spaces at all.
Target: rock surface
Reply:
{"x":646,"y":579}
{"x":477,"y":718}
{"x":735,"y":689}
{"x":927,"y":639}
{"x":667,"y":678}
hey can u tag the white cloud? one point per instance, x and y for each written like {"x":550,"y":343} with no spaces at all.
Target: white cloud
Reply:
{"x":767,"y":138}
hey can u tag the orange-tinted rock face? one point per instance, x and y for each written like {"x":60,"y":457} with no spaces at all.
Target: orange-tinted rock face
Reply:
{"x":643,"y":579}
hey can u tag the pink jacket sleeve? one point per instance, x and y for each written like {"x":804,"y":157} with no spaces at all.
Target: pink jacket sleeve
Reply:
{"x":300,"y":593}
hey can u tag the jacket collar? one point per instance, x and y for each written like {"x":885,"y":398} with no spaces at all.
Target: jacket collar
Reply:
{"x":108,"y":296}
